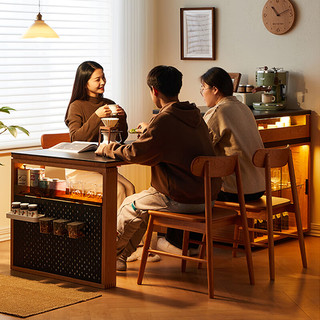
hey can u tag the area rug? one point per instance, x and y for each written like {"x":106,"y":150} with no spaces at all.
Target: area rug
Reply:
{"x":23,"y":297}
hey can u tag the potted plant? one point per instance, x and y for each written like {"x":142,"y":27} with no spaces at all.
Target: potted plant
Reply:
{"x":12,"y":129}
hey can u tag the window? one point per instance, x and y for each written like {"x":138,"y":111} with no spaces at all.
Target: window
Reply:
{"x":36,"y":75}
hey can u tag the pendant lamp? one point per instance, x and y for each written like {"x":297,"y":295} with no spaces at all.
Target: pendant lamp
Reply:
{"x":40,"y":29}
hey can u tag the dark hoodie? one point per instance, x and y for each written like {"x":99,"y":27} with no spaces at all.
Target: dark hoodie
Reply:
{"x":173,"y":138}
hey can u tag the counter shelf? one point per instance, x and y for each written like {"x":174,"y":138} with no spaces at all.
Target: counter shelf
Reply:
{"x":19,"y":217}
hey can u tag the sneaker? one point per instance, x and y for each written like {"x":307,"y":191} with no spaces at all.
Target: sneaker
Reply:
{"x":121,"y":264}
{"x":138,"y":253}
{"x":166,"y":246}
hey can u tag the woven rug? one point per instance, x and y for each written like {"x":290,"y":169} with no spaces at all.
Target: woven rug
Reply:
{"x":23,"y":298}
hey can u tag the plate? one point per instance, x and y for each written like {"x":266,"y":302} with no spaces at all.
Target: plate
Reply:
{"x":268,"y":106}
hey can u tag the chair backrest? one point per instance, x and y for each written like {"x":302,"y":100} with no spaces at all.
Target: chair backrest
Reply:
{"x":49,"y":140}
{"x":274,"y":158}
{"x":214,"y":167}
{"x":277,"y":157}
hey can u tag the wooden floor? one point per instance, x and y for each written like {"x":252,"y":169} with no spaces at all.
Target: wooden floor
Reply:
{"x":168,"y":294}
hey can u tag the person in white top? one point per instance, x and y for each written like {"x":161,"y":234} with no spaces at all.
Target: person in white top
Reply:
{"x":233,"y":130}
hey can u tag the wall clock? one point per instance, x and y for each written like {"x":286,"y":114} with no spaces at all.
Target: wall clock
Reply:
{"x":278,"y":16}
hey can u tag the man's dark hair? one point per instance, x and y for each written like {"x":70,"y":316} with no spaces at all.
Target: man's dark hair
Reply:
{"x":219,"y":78}
{"x":166,"y":79}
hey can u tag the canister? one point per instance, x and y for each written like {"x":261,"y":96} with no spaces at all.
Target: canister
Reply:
{"x":249,"y":88}
{"x":33,"y":210}
{"x":24,"y":209}
{"x":15,"y":207}
{"x":58,"y":187}
{"x":46,"y":225}
{"x":23,"y":179}
{"x":36,"y":174}
{"x":44,"y":187}
{"x":241,"y":88}
{"x":60,"y":227}
{"x":75,"y":229}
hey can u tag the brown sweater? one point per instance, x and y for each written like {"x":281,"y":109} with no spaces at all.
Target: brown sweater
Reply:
{"x":173,"y":138}
{"x":83,"y":123}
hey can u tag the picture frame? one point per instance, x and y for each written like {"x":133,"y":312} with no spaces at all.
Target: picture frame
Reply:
{"x":197,"y":33}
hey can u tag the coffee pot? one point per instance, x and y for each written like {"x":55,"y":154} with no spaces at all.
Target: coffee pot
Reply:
{"x":274,"y":84}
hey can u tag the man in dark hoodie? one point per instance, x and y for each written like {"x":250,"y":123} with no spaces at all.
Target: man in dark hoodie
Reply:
{"x":168,"y":143}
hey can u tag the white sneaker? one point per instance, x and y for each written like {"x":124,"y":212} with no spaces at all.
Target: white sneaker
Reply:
{"x":138,"y":253}
{"x":166,"y":246}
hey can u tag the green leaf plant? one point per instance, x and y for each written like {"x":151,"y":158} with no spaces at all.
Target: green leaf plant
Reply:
{"x":12,"y":129}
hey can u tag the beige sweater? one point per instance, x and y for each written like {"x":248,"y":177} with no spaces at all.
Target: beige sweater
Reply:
{"x":234,"y":131}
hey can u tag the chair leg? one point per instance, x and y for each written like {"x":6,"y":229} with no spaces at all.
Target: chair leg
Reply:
{"x":209,"y":247}
{"x":301,"y":238}
{"x":236,"y":238}
{"x":146,"y":247}
{"x":202,"y":250}
{"x":297,"y":210}
{"x":247,"y":246}
{"x":271,"y":248}
{"x":185,"y":245}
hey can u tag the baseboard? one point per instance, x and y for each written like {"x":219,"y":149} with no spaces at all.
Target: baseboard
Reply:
{"x":315,"y":230}
{"x":4,"y":234}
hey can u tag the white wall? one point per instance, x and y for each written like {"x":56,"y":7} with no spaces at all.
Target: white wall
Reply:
{"x":242,"y":45}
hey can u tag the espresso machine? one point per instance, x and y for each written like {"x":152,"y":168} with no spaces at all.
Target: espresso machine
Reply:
{"x":273,"y":83}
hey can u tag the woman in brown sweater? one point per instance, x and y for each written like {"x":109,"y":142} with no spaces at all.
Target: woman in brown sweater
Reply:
{"x":83,"y":118}
{"x":87,"y":105}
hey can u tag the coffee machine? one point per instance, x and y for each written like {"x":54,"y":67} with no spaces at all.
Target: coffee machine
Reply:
{"x":274,"y":84}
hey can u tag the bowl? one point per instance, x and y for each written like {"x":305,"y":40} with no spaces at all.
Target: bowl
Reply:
{"x":110,"y":122}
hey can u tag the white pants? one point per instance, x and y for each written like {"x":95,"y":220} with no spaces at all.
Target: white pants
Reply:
{"x":132,"y":217}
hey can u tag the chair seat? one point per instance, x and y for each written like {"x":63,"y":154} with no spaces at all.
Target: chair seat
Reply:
{"x":220,"y":217}
{"x":218,"y":213}
{"x":257,"y":205}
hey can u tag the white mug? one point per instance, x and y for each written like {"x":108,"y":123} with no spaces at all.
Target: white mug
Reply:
{"x":113,"y":108}
{"x":267,"y":98}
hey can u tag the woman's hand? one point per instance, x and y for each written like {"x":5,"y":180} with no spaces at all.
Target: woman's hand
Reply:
{"x":99,"y":151}
{"x":120,"y":111}
{"x":103,"y":112}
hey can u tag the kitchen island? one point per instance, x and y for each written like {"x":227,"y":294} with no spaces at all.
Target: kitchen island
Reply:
{"x":88,"y":260}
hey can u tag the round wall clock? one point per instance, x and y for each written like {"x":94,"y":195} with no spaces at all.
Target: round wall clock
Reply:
{"x":278,"y":16}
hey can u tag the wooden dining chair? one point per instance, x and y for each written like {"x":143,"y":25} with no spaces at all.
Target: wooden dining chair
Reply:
{"x":213,"y":217}
{"x":268,"y":206}
{"x":49,"y":140}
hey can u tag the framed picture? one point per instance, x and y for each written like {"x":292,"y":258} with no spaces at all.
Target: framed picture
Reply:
{"x":197,"y":27}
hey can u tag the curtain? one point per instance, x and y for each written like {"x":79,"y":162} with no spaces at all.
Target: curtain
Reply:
{"x":133,"y":57}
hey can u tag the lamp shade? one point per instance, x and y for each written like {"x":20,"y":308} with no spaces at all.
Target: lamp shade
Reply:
{"x":40,"y":30}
